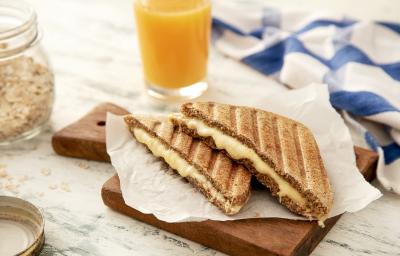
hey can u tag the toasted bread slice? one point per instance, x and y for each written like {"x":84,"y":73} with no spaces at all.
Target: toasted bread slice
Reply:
{"x":280,"y":152}
{"x":225,"y":183}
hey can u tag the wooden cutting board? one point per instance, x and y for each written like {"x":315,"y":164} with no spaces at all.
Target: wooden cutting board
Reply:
{"x":86,"y":139}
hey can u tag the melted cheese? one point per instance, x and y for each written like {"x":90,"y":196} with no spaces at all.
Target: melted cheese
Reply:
{"x":176,"y":162}
{"x":238,"y":150}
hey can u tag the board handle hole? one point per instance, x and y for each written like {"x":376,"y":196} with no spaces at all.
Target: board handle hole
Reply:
{"x":101,"y":123}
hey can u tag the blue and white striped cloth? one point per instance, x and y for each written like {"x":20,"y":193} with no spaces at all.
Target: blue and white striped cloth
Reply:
{"x":359,"y":60}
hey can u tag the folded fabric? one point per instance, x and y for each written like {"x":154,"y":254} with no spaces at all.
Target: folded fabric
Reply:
{"x":359,"y":60}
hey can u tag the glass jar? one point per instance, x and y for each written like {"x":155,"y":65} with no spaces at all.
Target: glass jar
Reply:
{"x":26,"y":79}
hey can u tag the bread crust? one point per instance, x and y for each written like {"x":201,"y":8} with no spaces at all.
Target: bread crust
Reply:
{"x":316,"y":190}
{"x":235,"y":188}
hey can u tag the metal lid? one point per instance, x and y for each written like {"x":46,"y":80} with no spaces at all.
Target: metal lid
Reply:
{"x":21,"y":227}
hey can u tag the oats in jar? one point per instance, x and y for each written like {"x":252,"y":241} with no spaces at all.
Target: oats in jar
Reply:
{"x":26,"y":96}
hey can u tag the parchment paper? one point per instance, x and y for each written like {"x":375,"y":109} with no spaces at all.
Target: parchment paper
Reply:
{"x":148,"y":186}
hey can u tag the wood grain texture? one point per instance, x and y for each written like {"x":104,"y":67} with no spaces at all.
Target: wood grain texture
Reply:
{"x":86,"y":139}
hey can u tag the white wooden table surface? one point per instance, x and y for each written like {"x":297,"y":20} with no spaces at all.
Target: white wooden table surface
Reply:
{"x":93,"y":49}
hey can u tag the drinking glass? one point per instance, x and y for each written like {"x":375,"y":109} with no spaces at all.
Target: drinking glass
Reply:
{"x":174,"y":39}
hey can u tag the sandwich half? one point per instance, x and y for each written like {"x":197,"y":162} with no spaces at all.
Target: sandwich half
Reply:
{"x":280,"y":152}
{"x":223,"y":182}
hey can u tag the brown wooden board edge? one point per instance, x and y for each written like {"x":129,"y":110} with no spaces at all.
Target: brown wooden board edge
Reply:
{"x":113,"y":198}
{"x":86,"y":138}
{"x":73,"y":141}
{"x":188,"y":230}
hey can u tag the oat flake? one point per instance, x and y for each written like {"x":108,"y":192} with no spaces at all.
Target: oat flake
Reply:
{"x":26,"y":96}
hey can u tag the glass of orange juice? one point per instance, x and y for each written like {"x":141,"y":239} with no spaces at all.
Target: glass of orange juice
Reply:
{"x":174,"y":39}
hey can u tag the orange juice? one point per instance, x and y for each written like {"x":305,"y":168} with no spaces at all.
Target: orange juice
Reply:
{"x":173,"y":37}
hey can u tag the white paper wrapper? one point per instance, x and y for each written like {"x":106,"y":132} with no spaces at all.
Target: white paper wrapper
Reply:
{"x":148,"y":187}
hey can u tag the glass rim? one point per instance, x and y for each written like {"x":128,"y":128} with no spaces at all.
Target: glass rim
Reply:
{"x":199,"y":5}
{"x":27,"y":16}
{"x":25,"y":32}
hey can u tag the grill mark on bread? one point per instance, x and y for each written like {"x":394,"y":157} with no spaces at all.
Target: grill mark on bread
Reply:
{"x":289,"y":156}
{"x":328,"y":187}
{"x":245,"y":123}
{"x":232,"y":113}
{"x":211,"y":164}
{"x":300,"y":156}
{"x":238,"y":178}
{"x":235,"y":175}
{"x":255,"y":127}
{"x":165,"y":130}
{"x":210,"y":110}
{"x":223,"y":177}
{"x":271,"y":150}
{"x":266,"y":135}
{"x":196,"y":153}
{"x":213,"y":112}
{"x":216,"y":165}
{"x":320,"y":164}
{"x":278,"y":149}
{"x":199,"y":155}
{"x":173,"y":137}
{"x":192,"y":150}
{"x":232,"y":175}
{"x":307,"y":166}
{"x":222,"y":115}
{"x":178,"y":140}
{"x":155,"y":127}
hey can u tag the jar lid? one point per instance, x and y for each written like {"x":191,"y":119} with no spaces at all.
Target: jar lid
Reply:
{"x":21,"y":227}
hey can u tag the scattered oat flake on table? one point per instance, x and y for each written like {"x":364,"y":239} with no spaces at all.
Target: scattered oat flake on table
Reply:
{"x":45,"y":172}
{"x":23,"y":178}
{"x":53,"y":187}
{"x":3,"y":173}
{"x":40,"y":194}
{"x":83,"y":165}
{"x":12,"y":187}
{"x":65,"y":187}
